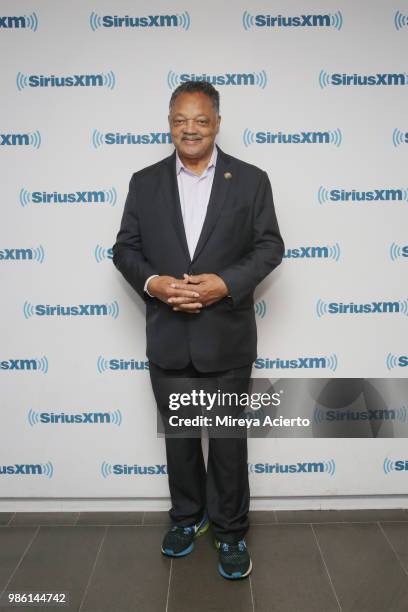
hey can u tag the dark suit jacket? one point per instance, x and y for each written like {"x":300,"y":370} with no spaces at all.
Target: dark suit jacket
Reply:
{"x":240,"y":241}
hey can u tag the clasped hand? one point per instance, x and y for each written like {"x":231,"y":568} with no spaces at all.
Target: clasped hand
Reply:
{"x":189,"y":294}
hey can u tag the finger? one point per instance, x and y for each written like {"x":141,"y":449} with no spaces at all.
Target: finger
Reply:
{"x":183,"y":288}
{"x":197,"y":278}
{"x":183,"y":299}
{"x":189,"y":306}
{"x":185,"y":293}
{"x":189,"y":311}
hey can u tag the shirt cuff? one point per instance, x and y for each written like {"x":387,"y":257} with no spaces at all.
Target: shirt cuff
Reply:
{"x":147,"y":282}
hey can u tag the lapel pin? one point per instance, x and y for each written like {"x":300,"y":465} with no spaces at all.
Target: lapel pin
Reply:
{"x":227,"y":176}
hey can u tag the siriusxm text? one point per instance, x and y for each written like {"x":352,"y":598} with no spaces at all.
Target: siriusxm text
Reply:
{"x":75,"y":80}
{"x":295,"y":138}
{"x":16,"y":254}
{"x":378,"y":79}
{"x":13,"y":22}
{"x":121,"y":469}
{"x":375,"y":195}
{"x":115,"y":138}
{"x":148,"y":21}
{"x":356,"y":415}
{"x":22,"y":468}
{"x":127,"y":364}
{"x":229,"y":78}
{"x":47,"y":197}
{"x":13,"y":140}
{"x":371,"y":307}
{"x":83,"y":417}
{"x":76,"y":310}
{"x":280,"y":21}
{"x":307,"y":252}
{"x":279,"y":468}
{"x":300,"y":362}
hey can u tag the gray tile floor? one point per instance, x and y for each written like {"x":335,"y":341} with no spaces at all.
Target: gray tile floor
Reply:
{"x":304,"y":561}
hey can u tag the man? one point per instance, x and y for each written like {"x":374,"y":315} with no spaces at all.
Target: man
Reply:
{"x":198,"y":234}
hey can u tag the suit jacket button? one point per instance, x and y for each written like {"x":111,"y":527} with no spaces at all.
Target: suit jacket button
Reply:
{"x":190,"y":271}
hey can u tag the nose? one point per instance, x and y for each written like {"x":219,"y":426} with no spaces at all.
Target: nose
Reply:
{"x":189,"y":126}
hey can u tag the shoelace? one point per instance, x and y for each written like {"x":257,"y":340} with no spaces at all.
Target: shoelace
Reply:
{"x":186,"y":530}
{"x":241,"y":546}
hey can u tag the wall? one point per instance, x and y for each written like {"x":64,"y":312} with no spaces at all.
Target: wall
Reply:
{"x":336,"y":155}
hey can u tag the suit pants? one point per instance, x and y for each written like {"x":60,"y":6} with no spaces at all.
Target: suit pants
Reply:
{"x":222,"y":490}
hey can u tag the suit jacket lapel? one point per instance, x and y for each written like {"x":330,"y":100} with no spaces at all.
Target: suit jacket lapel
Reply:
{"x":219,"y":190}
{"x":216,"y":202}
{"x":170,"y":191}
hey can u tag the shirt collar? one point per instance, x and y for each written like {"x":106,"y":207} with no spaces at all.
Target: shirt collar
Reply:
{"x":211,"y":163}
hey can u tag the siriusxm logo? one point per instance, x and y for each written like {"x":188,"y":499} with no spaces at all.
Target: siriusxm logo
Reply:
{"x":123,"y":469}
{"x":328,"y":20}
{"x":27,"y":139}
{"x":34,"y":365}
{"x":330,"y":362}
{"x":396,"y":361}
{"x":241,"y":79}
{"x":398,"y":250}
{"x":115,"y":138}
{"x":336,"y":308}
{"x":400,"y":20}
{"x":306,"y":467}
{"x":356,"y":80}
{"x":22,"y":22}
{"x":102,"y":253}
{"x":353,"y":195}
{"x":399,"y":137}
{"x":321,"y":416}
{"x":32,"y":254}
{"x":105,"y":196}
{"x":314,"y":252}
{"x":101,"y":79}
{"x":260,"y":308}
{"x":79,"y":310}
{"x":179,"y":20}
{"x":331,"y":137}
{"x":397,"y":465}
{"x":61,"y":418}
{"x":29,"y":469}
{"x":120,"y":365}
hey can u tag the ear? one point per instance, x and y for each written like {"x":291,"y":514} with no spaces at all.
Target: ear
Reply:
{"x":218,"y":123}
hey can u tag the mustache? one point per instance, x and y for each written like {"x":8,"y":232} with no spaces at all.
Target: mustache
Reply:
{"x":192,"y":137}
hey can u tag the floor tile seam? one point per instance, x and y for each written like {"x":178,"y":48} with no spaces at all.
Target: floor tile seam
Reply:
{"x":11,"y":518}
{"x":20,"y":561}
{"x":168,"y":586}
{"x":392,"y":548}
{"x":93,"y":569}
{"x":326,"y":567}
{"x":251,"y":593}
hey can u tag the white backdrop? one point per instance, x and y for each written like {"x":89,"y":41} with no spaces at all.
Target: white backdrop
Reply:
{"x":84,"y":104}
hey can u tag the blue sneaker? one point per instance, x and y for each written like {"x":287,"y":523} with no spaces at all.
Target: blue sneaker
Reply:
{"x":179,"y":541}
{"x":234,"y":560}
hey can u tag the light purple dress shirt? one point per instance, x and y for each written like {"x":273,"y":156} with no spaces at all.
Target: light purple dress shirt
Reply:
{"x":194,"y":191}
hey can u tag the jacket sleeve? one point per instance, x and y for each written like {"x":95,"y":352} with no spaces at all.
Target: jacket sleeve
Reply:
{"x":128,"y":250}
{"x":267,"y":250}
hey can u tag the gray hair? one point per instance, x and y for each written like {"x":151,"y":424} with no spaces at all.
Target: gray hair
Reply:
{"x":197,"y":86}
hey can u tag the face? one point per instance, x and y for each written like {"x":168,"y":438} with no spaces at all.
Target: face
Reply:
{"x":194,"y":125}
